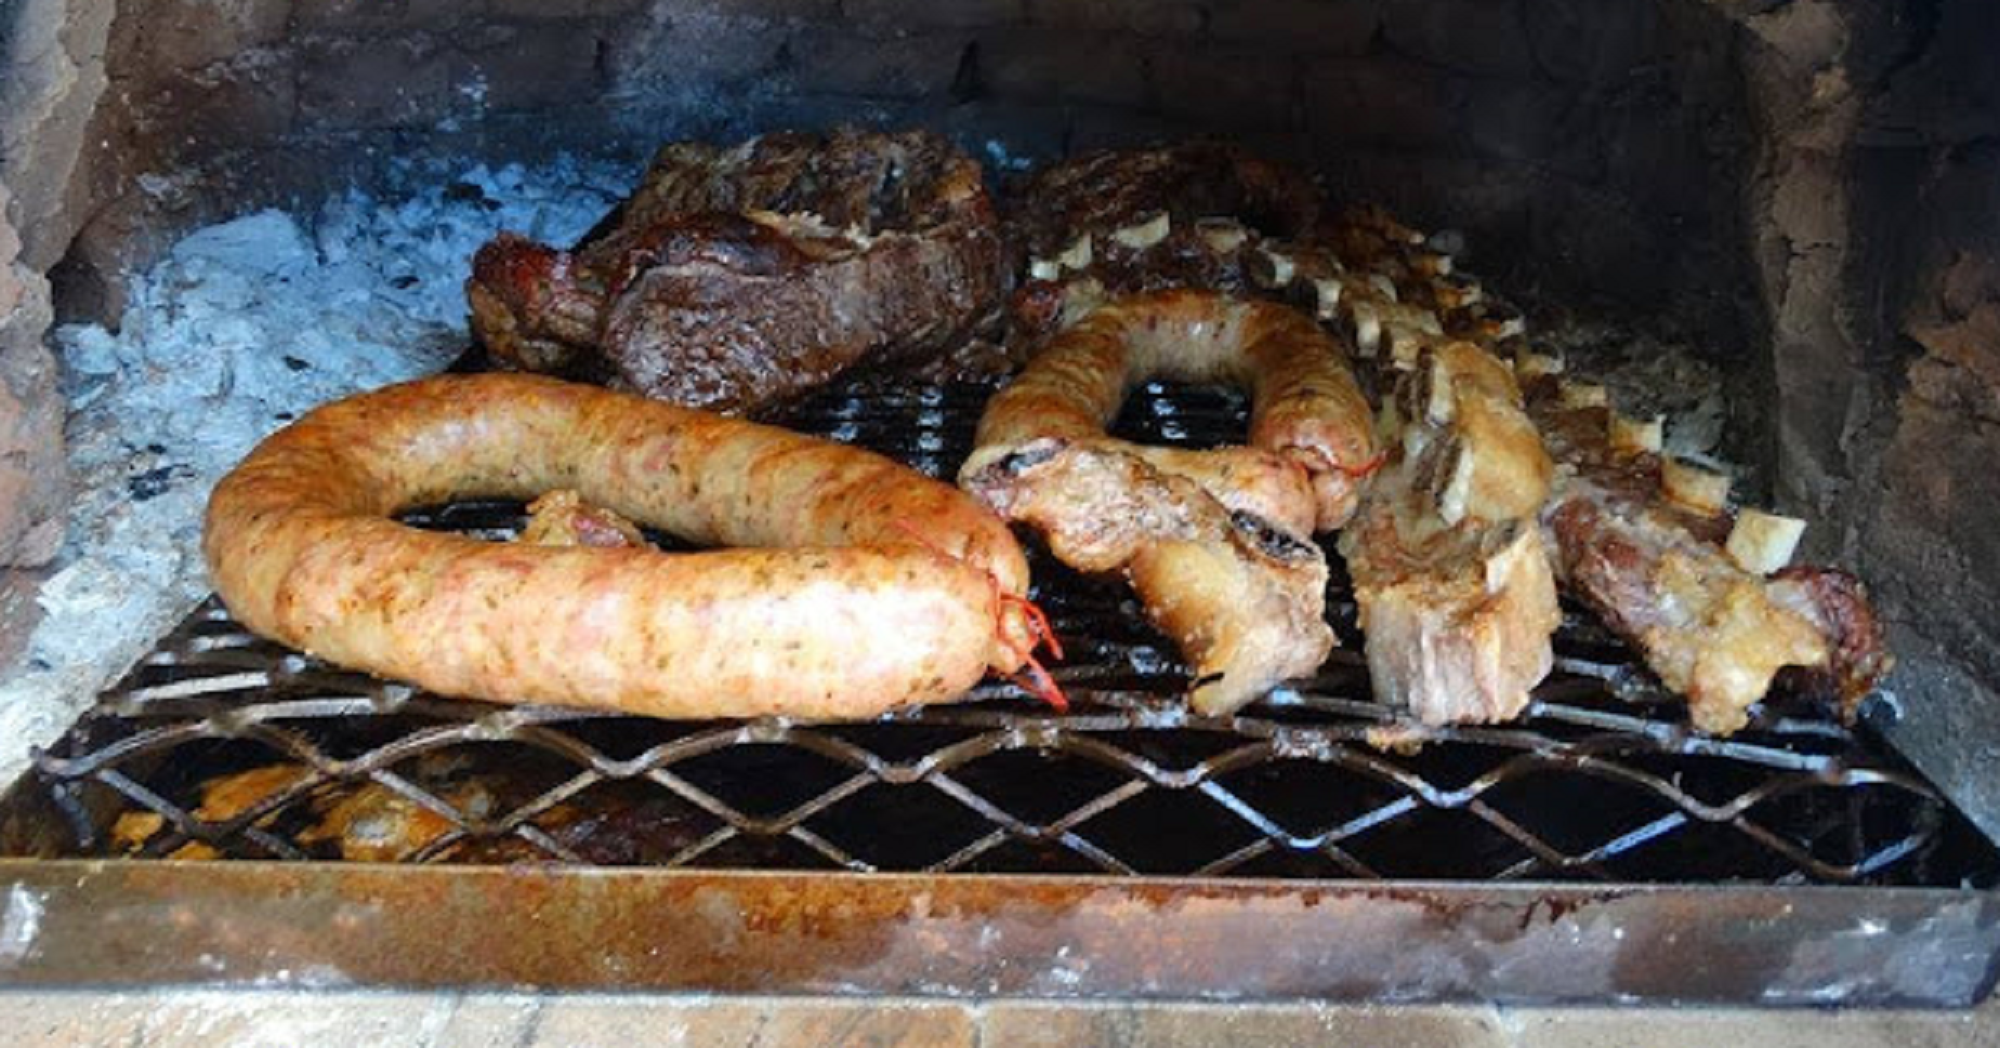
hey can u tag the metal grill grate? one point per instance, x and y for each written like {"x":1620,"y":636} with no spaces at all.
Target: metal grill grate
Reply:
{"x":221,"y":745}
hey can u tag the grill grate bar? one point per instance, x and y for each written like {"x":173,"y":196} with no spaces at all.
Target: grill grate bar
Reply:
{"x":1601,"y":780}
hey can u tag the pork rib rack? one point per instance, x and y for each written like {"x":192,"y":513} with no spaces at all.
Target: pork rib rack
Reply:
{"x":1648,"y":542}
{"x":1704,"y":594}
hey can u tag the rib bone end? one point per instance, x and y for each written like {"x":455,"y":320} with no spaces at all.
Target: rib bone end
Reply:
{"x":1326,"y":297}
{"x":1577,"y":395}
{"x":1145,"y":234}
{"x":1077,"y":255}
{"x":1695,"y":487}
{"x":1222,"y":235}
{"x":1637,"y":436}
{"x":1529,"y":365}
{"x":1761,"y":543}
{"x":1272,"y":270}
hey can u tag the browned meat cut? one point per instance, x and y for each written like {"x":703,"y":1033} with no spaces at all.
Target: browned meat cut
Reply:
{"x":1710,"y":630}
{"x":735,"y":278}
{"x":1452,"y":577}
{"x":1664,"y":574}
{"x":1107,"y":192}
{"x":1836,"y":604}
{"x":563,"y":518}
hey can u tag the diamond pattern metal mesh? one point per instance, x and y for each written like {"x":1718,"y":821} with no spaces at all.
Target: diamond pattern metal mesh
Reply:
{"x":221,"y":745}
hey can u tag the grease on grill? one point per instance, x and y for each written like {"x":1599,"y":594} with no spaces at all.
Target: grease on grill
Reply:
{"x":221,"y":745}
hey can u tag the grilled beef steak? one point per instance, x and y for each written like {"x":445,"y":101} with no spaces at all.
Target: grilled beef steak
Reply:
{"x":735,"y":278}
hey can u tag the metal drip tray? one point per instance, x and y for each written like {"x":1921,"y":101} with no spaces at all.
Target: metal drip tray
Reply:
{"x":1312,"y":845}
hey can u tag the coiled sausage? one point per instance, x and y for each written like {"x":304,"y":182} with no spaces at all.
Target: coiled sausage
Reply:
{"x":869,"y":586}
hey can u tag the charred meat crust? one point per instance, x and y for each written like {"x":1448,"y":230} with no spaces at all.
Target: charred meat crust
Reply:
{"x":1209,"y":202}
{"x":1837,"y":603}
{"x":1272,"y":540}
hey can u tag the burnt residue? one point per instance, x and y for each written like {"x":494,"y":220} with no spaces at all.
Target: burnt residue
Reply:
{"x":1036,"y":453}
{"x":153,"y":483}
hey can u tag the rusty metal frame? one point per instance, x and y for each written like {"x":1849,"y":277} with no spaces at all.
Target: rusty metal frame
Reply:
{"x":324,"y":925}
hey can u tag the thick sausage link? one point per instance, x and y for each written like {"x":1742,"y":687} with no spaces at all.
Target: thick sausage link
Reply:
{"x":867,"y":586}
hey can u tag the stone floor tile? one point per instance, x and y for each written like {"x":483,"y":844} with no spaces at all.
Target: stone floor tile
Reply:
{"x":1717,"y":1028}
{"x":73,"y":1018}
{"x":291,"y":1019}
{"x":1062,"y":1025}
{"x":1037,"y":1025}
{"x":355,"y":1019}
{"x":851,"y":1024}
{"x":609,"y":1021}
{"x":486,"y":1020}
{"x":597,"y":1021}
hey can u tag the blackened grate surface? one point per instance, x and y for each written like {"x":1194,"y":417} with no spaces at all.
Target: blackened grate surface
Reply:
{"x":221,"y":745}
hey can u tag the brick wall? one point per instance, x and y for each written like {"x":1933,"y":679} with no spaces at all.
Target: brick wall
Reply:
{"x":1563,"y":130}
{"x":1786,"y":183}
{"x":33,"y":482}
{"x":1591,"y":148}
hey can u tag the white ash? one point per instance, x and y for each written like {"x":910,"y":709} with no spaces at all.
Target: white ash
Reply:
{"x":240,"y":328}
